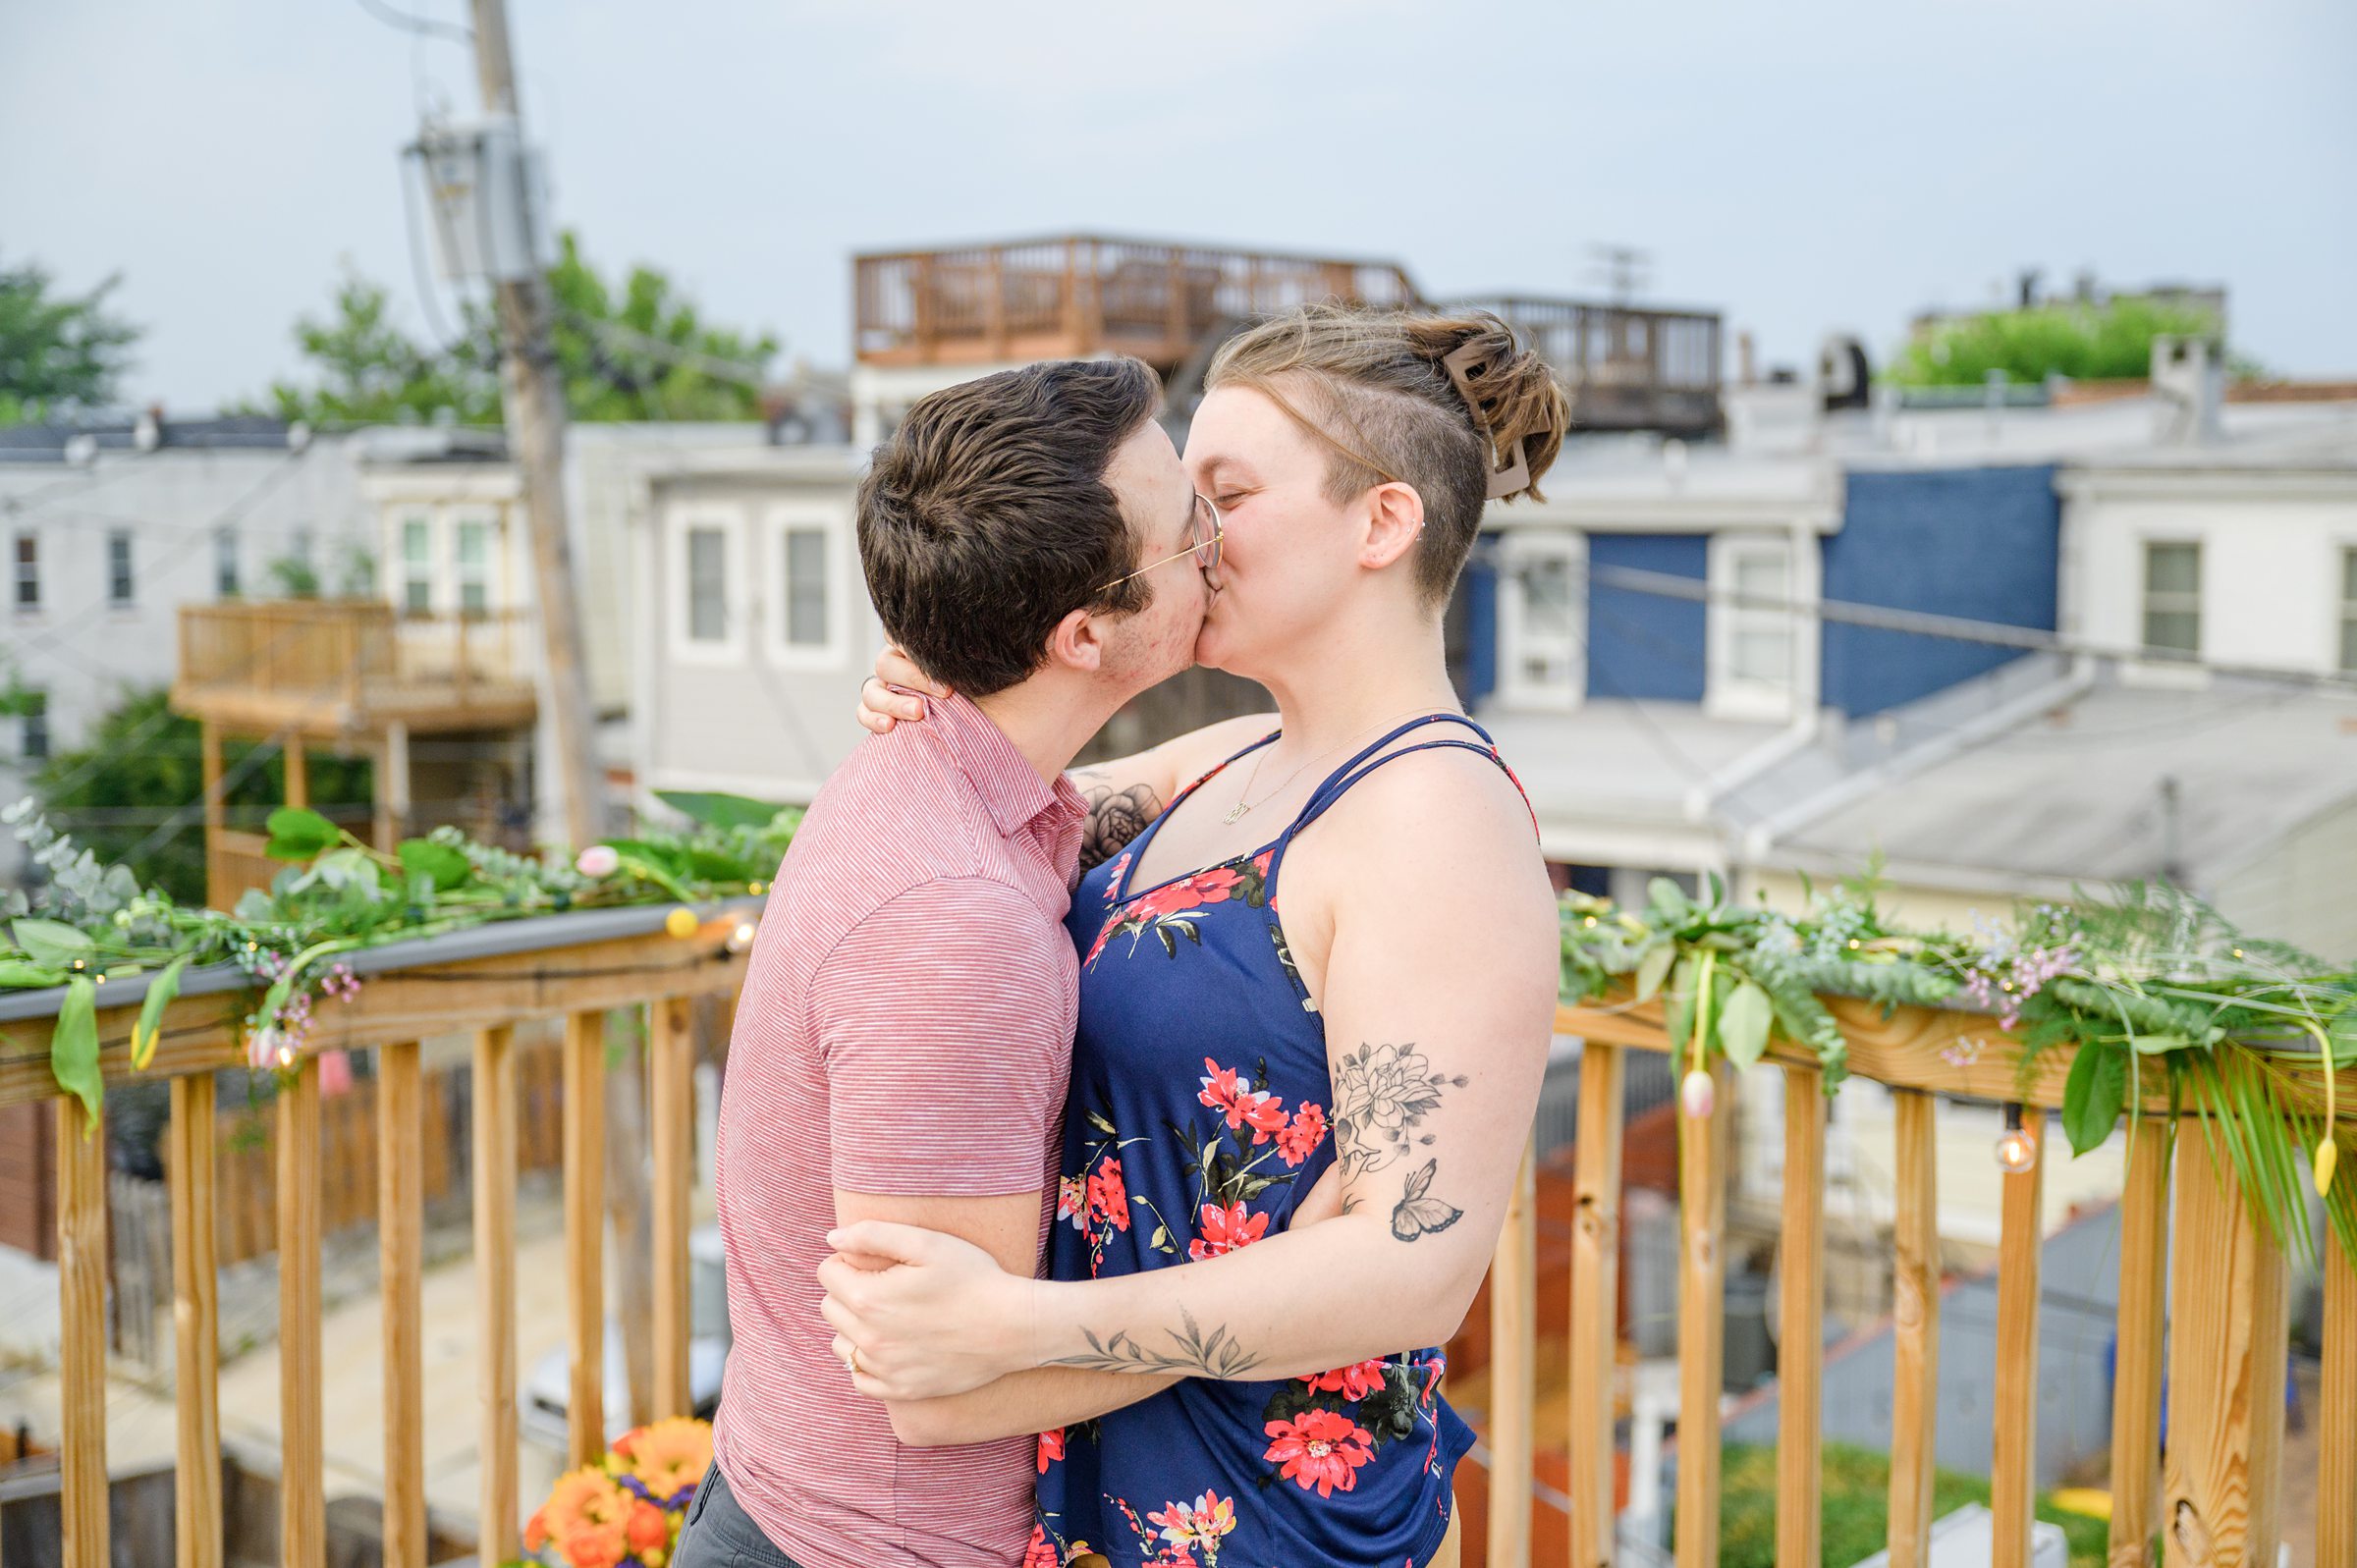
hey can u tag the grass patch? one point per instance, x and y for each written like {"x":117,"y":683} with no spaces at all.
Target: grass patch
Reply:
{"x":1857,"y":1501}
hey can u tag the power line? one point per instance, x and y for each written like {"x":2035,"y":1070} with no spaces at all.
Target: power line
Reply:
{"x":423,"y":27}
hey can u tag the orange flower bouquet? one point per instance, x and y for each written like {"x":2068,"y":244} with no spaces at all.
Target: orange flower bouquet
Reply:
{"x":625,"y":1512}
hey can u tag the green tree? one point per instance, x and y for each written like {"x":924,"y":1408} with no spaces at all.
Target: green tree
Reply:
{"x":636,"y":350}
{"x":141,"y":764}
{"x":59,"y":353}
{"x":366,"y":370}
{"x":2087,"y":342}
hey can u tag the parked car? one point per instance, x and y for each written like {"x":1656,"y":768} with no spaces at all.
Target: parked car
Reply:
{"x":547,"y":1392}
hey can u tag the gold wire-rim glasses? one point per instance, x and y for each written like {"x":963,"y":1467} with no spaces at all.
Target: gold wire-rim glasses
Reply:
{"x":1205,"y":548}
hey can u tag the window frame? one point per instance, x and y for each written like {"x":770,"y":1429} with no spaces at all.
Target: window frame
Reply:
{"x":229,"y":579}
{"x":683,"y":524}
{"x":25,"y":571}
{"x":419,"y":573}
{"x":1726,"y":692}
{"x":779,"y":521}
{"x":487,"y":577}
{"x":2345,"y":623}
{"x":122,"y":571}
{"x":1518,"y":550}
{"x":2148,"y":649}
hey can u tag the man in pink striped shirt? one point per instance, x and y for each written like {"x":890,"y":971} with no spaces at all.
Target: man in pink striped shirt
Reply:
{"x":904,"y":1039}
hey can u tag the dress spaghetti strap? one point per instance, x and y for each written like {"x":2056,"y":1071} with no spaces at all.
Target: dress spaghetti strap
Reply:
{"x":1369,"y":758}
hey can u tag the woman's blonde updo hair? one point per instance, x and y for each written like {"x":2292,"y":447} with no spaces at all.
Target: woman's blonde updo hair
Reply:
{"x":1376,"y":389}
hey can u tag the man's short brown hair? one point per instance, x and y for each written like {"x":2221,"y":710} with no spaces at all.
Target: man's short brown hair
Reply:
{"x":986,"y":519}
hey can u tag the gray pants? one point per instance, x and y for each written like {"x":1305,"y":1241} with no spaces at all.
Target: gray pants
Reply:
{"x":717,"y":1534}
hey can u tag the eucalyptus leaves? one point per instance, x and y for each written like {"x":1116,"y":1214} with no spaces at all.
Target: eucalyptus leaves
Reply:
{"x":2163,"y":1001}
{"x":87,"y":925}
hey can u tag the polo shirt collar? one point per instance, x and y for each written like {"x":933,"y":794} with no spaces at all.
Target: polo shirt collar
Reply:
{"x":1012,"y":789}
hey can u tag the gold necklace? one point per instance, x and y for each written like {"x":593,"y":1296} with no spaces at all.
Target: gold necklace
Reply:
{"x":1244,"y":802}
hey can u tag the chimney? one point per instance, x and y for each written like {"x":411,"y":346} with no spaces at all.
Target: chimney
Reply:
{"x":1747,"y":369}
{"x":2189,"y":384}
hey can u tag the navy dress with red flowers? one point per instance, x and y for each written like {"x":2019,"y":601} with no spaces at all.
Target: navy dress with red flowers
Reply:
{"x":1196,"y":1123}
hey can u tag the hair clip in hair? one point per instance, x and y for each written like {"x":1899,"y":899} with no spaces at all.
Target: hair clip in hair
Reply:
{"x":1463,"y":363}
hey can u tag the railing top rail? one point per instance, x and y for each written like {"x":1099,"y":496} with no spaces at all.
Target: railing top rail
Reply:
{"x":619,"y":956}
{"x":1509,"y":305}
{"x":1132,"y":241}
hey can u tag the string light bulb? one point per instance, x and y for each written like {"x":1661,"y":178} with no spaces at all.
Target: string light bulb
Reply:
{"x":2016,"y":1149}
{"x":742,"y":938}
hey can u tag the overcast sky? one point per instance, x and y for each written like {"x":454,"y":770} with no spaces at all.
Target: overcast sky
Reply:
{"x":1803,"y":167}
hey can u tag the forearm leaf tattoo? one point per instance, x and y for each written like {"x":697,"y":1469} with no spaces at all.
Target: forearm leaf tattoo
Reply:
{"x":1114,"y":817}
{"x":1382,"y":1095}
{"x":1194,"y":1353}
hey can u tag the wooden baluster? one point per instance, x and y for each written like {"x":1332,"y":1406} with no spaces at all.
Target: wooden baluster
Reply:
{"x":82,"y":1320}
{"x":2136,"y":1381}
{"x":584,"y":1234}
{"x":2336,"y":1409}
{"x":1594,"y":1302}
{"x":1702,"y":1153}
{"x":302,"y":1503}
{"x":670,"y":1107}
{"x":1513,"y":1371}
{"x":1915,"y":1332}
{"x":1800,"y":1355}
{"x":2014,"y":1468}
{"x":2227,"y":1344}
{"x":197,"y":1327}
{"x":495,"y":1284}
{"x":400,"y":1234}
{"x":299,"y":771}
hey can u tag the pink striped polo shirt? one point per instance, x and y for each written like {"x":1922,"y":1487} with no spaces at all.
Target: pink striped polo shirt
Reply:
{"x":906,"y":1028}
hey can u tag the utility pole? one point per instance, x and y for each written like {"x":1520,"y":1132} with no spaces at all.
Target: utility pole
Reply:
{"x":535,"y":405}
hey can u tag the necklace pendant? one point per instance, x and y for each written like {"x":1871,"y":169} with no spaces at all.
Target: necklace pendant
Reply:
{"x":1237,"y":815}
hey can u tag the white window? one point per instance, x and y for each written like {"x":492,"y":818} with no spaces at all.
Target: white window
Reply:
{"x":32,"y":730}
{"x":119,"y":583}
{"x":225,"y":562}
{"x":1542,"y":595}
{"x":417,"y":564}
{"x":2348,"y":611}
{"x":806,"y":587}
{"x":1753,"y":625}
{"x":27,"y":560}
{"x":804,"y":612}
{"x":2172,"y":599}
{"x":708,"y":598}
{"x":472,"y":563}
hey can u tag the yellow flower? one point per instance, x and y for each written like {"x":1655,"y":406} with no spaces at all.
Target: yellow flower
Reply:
{"x":670,"y":1458}
{"x":681,"y":922}
{"x":588,"y":1509}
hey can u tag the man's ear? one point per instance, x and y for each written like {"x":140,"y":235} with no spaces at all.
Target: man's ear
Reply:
{"x":1395,"y":522}
{"x":1077,"y":644}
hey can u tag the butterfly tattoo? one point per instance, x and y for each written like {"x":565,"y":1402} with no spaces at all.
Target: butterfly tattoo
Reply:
{"x":1418,"y":1214}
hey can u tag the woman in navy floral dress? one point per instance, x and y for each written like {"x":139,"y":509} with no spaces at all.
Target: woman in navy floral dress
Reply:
{"x":1332,"y":954}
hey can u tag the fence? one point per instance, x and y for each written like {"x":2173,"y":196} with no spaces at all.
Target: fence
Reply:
{"x":2212,"y":1499}
{"x":1079,"y":295}
{"x":575,"y":968}
{"x":2222,"y":1290}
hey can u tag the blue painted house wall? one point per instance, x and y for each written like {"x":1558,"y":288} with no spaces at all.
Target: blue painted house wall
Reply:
{"x":1981,"y":543}
{"x":1646,"y":644}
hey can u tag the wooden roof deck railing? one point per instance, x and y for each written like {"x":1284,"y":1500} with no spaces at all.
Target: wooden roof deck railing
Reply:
{"x":1628,"y":367}
{"x":2222,"y":1291}
{"x":1079,"y":294}
{"x":345,"y":664}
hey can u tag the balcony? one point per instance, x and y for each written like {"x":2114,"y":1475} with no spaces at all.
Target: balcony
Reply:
{"x":2220,"y":1290}
{"x":350,"y":667}
{"x":1069,"y":298}
{"x":1627,"y":367}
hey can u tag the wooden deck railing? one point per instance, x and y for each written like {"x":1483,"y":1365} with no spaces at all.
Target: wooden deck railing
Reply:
{"x":339,"y":662}
{"x":2221,"y":1291}
{"x":1079,"y":295}
{"x":1627,"y":367}
{"x":575,"y":967}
